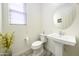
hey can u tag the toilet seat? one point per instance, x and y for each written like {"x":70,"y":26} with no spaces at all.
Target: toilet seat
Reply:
{"x":37,"y":45}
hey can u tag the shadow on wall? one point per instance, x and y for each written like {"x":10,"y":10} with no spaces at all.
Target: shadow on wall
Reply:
{"x":72,"y":50}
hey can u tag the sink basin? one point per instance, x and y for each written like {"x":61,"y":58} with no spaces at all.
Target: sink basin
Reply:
{"x":64,"y":39}
{"x":60,"y":40}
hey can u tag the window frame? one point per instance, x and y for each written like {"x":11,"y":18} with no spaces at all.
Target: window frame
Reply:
{"x":25,"y":16}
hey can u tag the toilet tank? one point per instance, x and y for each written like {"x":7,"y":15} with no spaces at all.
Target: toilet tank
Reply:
{"x":43,"y":38}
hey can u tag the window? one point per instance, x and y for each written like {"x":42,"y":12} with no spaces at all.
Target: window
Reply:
{"x":17,"y":13}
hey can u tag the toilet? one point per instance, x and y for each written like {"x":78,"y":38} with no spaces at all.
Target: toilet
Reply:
{"x":37,"y":46}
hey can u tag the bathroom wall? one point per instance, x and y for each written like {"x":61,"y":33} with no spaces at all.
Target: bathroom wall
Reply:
{"x":32,"y":29}
{"x":0,"y":18}
{"x":49,"y":28}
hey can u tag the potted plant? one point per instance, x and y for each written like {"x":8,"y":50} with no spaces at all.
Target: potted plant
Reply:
{"x":7,"y":43}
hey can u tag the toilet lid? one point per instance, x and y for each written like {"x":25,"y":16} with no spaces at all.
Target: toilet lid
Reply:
{"x":37,"y":43}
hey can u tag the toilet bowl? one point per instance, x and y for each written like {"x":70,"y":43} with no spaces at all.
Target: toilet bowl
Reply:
{"x":37,"y":46}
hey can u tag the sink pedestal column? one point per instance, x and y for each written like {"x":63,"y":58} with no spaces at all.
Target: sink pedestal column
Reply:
{"x":58,"y":49}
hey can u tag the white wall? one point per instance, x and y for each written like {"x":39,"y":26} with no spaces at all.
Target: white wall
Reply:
{"x":0,"y":18}
{"x":49,"y":28}
{"x":32,"y":29}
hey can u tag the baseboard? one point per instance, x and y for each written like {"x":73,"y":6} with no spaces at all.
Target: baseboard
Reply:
{"x":22,"y":53}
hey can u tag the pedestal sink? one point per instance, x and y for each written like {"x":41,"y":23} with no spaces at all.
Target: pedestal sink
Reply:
{"x":60,"y":40}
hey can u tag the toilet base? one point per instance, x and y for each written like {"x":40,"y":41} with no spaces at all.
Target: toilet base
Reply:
{"x":38,"y":52}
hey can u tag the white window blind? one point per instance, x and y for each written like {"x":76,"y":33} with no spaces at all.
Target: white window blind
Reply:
{"x":17,"y":13}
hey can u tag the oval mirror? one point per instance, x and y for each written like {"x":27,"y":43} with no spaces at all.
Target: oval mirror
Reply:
{"x":64,"y":16}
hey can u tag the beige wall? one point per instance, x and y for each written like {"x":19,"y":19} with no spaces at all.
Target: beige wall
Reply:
{"x":49,"y":28}
{"x":32,"y":29}
{"x":73,"y":30}
{"x":0,"y":18}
